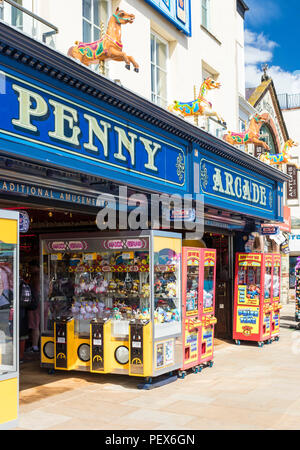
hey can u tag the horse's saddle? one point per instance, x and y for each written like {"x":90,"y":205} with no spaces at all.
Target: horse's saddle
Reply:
{"x":277,"y":158}
{"x":91,"y":50}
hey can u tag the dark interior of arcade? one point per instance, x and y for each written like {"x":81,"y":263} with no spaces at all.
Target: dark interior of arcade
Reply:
{"x":57,"y":221}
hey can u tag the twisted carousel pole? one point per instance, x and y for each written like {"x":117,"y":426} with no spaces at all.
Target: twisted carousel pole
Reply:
{"x":102,"y":63}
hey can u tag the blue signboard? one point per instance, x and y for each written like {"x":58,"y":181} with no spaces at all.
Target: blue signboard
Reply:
{"x":32,"y":190}
{"x":227,"y":186}
{"x":44,"y":124}
{"x":269,"y":230}
{"x":177,"y":12}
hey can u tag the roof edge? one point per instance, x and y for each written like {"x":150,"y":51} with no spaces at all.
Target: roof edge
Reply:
{"x":242,"y":8}
{"x":31,"y":53}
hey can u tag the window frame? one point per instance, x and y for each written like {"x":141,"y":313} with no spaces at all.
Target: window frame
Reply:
{"x":1,"y":10}
{"x":91,"y":20}
{"x":17,"y":16}
{"x":205,"y":12}
{"x":242,"y":125}
{"x":154,"y":94}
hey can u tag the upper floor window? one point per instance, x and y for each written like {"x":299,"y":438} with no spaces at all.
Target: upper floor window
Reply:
{"x":93,"y":13}
{"x":17,"y":16}
{"x":208,"y":74}
{"x":1,"y":10}
{"x":242,"y":125}
{"x":159,"y":62}
{"x":205,"y":6}
{"x":266,"y":136}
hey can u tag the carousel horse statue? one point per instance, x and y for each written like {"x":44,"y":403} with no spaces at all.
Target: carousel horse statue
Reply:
{"x":109,"y":46}
{"x":200,"y":106}
{"x":250,"y":136}
{"x":279,"y":158}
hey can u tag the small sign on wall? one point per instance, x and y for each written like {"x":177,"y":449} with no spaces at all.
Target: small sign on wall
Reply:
{"x":269,"y":230}
{"x":292,"y":186}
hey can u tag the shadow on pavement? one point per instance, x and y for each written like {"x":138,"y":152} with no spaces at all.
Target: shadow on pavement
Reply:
{"x":37,"y":383}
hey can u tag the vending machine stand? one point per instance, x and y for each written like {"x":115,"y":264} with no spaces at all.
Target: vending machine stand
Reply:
{"x":256,"y":298}
{"x":198,"y":294}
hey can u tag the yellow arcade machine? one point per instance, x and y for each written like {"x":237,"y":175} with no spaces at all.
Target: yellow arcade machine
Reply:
{"x":112,"y":303}
{"x":9,"y":337}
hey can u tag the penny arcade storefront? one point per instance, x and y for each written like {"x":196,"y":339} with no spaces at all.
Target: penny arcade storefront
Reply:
{"x":68,"y":136}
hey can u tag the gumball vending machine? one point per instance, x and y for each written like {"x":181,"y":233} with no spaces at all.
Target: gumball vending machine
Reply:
{"x":276,"y":305}
{"x":198,"y":294}
{"x":253,"y":305}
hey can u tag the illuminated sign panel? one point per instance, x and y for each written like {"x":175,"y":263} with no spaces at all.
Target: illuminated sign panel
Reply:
{"x":178,"y":12}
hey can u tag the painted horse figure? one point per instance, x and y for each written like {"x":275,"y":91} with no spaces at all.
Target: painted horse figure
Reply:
{"x":198,"y":107}
{"x":109,"y":46}
{"x":251,"y":136}
{"x":279,"y":158}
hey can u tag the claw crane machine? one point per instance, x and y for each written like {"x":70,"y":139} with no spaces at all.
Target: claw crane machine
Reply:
{"x":255,"y":306}
{"x":276,"y":305}
{"x":9,"y":337}
{"x":198,"y":297}
{"x":112,"y":303}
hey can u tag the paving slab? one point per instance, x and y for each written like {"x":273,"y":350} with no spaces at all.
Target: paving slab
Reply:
{"x":248,"y":388}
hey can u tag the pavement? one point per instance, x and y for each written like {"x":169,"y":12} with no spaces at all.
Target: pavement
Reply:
{"x":248,"y":388}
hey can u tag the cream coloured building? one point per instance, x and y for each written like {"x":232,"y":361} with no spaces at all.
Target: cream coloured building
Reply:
{"x":175,"y":52}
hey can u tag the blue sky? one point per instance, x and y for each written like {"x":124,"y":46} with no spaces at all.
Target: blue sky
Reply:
{"x":272,"y":36}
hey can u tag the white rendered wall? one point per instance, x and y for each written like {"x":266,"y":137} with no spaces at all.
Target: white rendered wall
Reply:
{"x":292,"y":121}
{"x":221,"y":50}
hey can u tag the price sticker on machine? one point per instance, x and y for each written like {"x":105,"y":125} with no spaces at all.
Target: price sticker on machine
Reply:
{"x":136,"y":344}
{"x":97,"y":342}
{"x":61,"y":340}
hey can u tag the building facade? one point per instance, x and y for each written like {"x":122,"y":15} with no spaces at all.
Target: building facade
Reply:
{"x":170,"y":44}
{"x":275,"y":133}
{"x":290,"y":106}
{"x":69,"y":135}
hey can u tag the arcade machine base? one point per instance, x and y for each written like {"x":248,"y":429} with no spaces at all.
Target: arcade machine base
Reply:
{"x":195,"y":369}
{"x":259,"y":343}
{"x":152,"y":383}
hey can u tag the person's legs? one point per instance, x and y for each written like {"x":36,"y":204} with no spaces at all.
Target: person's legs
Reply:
{"x":21,"y":349}
{"x":35,"y":336}
{"x":34,"y":325}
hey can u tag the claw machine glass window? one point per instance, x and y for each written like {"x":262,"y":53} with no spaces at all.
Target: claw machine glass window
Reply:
{"x":192,"y":284}
{"x":167,"y":286}
{"x":208,"y":289}
{"x":105,"y":279}
{"x":276,"y":283}
{"x":268,"y":284}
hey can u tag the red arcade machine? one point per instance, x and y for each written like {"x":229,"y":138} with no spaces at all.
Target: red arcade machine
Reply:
{"x":198,"y":286}
{"x":256,"y":316}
